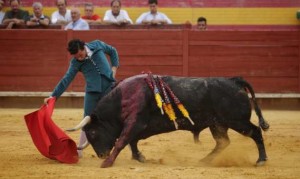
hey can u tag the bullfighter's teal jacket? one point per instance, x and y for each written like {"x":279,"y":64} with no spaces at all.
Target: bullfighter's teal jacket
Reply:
{"x":94,"y":69}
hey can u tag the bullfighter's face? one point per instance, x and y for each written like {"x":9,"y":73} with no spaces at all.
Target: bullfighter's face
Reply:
{"x":80,"y":55}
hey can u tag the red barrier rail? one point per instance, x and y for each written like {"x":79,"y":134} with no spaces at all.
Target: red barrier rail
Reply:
{"x":35,"y":60}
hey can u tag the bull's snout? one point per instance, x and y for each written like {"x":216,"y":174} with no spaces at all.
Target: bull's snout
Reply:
{"x":103,"y":155}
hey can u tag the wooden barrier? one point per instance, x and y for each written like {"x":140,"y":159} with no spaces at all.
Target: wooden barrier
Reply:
{"x":32,"y":60}
{"x":35,"y":60}
{"x":268,"y":59}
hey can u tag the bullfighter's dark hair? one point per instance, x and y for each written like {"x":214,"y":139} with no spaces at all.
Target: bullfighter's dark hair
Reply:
{"x":75,"y":45}
{"x":152,"y":1}
{"x":111,"y":3}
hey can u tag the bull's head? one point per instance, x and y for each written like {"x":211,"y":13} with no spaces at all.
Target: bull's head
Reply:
{"x":98,"y":135}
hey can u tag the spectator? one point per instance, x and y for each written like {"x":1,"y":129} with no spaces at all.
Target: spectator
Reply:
{"x":201,"y":23}
{"x":38,"y":18}
{"x":77,"y":22}
{"x":2,"y":13}
{"x":116,"y":15}
{"x":153,"y":17}
{"x":89,"y":59}
{"x":15,"y":16}
{"x":89,"y":16}
{"x":63,"y":15}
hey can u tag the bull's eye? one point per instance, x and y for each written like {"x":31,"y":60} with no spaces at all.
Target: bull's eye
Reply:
{"x":93,"y":133}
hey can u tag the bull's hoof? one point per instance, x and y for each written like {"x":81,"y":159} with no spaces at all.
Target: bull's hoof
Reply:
{"x":139,"y":157}
{"x":261,"y":162}
{"x":264,"y":125}
{"x":106,"y":164}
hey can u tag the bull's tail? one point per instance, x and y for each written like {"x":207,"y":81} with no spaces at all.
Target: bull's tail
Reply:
{"x":244,"y":84}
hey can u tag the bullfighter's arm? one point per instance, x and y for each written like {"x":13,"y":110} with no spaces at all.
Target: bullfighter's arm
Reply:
{"x":65,"y":81}
{"x":113,"y":54}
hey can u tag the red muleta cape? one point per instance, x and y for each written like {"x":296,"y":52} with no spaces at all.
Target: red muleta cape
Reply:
{"x":48,"y":138}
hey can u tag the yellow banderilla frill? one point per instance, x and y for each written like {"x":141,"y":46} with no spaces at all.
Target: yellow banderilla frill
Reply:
{"x":171,"y":113}
{"x":185,"y":113}
{"x":159,"y":102}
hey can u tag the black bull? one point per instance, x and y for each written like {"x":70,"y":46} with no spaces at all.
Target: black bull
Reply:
{"x":130,"y":113}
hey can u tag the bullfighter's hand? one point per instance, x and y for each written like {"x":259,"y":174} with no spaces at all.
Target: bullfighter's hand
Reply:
{"x":46,"y":99}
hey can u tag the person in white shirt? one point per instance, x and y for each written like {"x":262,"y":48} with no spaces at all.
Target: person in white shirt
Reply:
{"x":63,"y":15}
{"x":77,"y":22}
{"x":153,"y":17}
{"x":2,"y":13}
{"x":116,"y":15}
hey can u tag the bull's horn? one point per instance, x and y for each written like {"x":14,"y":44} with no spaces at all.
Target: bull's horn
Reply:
{"x":83,"y":146}
{"x":84,"y":121}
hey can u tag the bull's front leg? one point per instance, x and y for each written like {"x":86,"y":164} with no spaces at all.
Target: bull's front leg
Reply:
{"x":130,"y":130}
{"x":119,"y":145}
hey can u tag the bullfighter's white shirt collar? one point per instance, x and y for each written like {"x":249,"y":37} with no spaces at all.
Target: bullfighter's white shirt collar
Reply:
{"x":88,"y":51}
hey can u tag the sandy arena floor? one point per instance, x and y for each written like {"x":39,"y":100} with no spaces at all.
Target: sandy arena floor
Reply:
{"x":172,"y":155}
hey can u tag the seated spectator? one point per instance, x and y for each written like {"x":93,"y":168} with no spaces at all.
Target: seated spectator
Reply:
{"x":116,"y":15}
{"x":63,"y":15}
{"x":15,"y":16}
{"x":153,"y":17}
{"x":2,"y":13}
{"x":201,"y":23}
{"x":77,"y":22}
{"x":38,"y":18}
{"x":89,"y":16}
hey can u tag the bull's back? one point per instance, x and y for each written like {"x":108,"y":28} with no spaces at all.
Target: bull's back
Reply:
{"x":204,"y":98}
{"x":230,"y":102}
